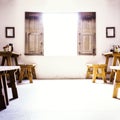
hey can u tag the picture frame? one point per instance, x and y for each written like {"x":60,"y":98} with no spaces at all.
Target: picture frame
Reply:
{"x":110,"y":32}
{"x":10,"y":32}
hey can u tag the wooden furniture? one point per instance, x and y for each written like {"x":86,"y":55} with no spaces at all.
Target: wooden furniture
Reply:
{"x":107,"y":56}
{"x":116,"y":61}
{"x":89,"y":71}
{"x":97,"y":71}
{"x":2,"y":95}
{"x":27,"y":70}
{"x":9,"y":57}
{"x":116,"y":69}
{"x":10,"y":70}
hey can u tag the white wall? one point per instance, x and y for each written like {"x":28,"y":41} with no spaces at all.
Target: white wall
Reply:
{"x":107,"y":14}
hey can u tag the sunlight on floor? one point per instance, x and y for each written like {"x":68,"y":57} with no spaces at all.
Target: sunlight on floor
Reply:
{"x":63,"y":100}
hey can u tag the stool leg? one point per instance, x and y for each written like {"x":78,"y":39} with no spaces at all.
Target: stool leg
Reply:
{"x":30,"y":77}
{"x":87,"y":75}
{"x":21,"y":75}
{"x":89,"y":72}
{"x":34,"y":73}
{"x":104,"y":75}
{"x":94,"y":74}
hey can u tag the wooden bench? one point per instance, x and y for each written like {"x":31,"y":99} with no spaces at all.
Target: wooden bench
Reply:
{"x":27,"y":70}
{"x":96,"y":71}
{"x":7,"y":70}
{"x":116,"y":81}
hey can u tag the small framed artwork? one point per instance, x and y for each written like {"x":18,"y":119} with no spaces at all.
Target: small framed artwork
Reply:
{"x":10,"y":32}
{"x":110,"y":32}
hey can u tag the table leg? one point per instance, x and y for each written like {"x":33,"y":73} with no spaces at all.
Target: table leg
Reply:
{"x":2,"y":98}
{"x":5,"y":88}
{"x":16,"y":61}
{"x":3,"y":60}
{"x":12,"y":83}
{"x":9,"y":61}
{"x":107,"y":60}
{"x":112,"y":72}
{"x":116,"y":83}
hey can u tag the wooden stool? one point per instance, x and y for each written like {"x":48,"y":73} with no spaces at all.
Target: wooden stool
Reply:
{"x":27,"y":70}
{"x":96,"y":70}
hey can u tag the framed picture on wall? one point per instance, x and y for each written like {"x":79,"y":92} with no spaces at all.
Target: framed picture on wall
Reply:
{"x":9,"y":32}
{"x":110,"y":32}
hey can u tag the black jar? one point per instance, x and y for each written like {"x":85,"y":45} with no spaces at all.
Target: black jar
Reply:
{"x":10,"y":47}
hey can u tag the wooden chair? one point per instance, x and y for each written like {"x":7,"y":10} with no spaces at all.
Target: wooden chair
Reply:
{"x":27,"y":70}
{"x":96,"y":71}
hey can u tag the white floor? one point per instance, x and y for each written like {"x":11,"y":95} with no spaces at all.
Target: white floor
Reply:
{"x":63,"y":100}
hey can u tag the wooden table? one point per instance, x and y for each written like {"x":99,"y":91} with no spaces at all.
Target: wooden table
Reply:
{"x":9,"y":57}
{"x":116,"y":57}
{"x":10,"y":70}
{"x":116,"y":69}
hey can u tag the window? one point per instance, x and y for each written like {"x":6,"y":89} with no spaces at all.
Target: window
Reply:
{"x":60,"y":34}
{"x":64,"y":33}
